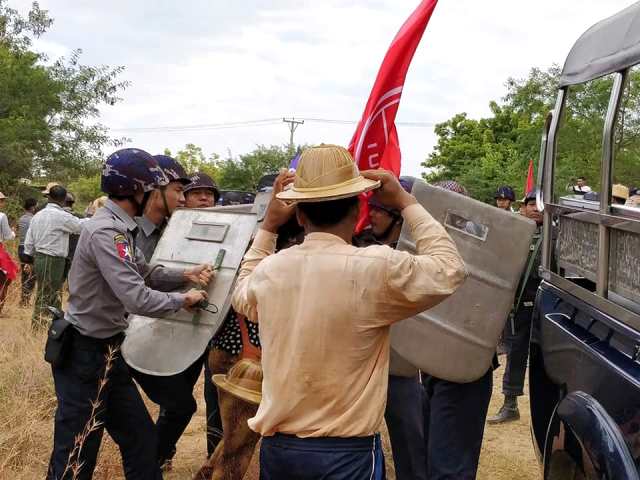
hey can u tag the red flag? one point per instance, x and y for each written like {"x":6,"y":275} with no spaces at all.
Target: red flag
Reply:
{"x":529,"y":186}
{"x":375,"y":143}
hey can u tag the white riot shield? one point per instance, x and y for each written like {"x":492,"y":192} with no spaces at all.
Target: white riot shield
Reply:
{"x":457,"y":339}
{"x":167,"y":346}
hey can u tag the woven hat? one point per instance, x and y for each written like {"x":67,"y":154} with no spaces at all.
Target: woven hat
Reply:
{"x":326,"y":172}
{"x":2,"y":196}
{"x":620,"y":191}
{"x":244,"y":381}
{"x":50,"y":185}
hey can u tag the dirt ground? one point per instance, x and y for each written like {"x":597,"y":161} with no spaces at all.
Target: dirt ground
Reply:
{"x":28,"y":403}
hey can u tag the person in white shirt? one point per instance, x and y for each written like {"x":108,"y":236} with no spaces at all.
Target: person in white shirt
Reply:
{"x":581,"y":187}
{"x":48,"y":243}
{"x":8,"y":268}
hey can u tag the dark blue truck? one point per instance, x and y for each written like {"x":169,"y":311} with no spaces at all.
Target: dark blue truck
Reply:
{"x":584,"y":372}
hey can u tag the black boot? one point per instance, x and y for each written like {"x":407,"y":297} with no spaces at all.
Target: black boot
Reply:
{"x":508,"y":412}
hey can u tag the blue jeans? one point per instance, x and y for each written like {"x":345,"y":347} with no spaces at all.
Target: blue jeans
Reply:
{"x":121,"y":411}
{"x":404,"y":419}
{"x":454,"y":418}
{"x":286,"y":457}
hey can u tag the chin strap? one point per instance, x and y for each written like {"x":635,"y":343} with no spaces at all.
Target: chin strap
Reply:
{"x":140,"y":206}
{"x":164,"y":202}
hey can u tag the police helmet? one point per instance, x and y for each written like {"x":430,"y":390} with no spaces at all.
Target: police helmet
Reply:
{"x":407,"y":185}
{"x":202,"y":180}
{"x":130,"y":171}
{"x":531,"y":195}
{"x":172,"y":169}
{"x":506,"y":193}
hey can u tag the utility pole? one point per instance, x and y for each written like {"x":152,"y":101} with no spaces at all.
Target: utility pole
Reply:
{"x":293,"y":124}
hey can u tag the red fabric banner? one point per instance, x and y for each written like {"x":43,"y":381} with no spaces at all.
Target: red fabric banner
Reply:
{"x":530,"y":185}
{"x":375,"y":143}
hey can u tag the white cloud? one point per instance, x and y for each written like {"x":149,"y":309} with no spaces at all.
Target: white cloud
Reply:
{"x":198,"y":62}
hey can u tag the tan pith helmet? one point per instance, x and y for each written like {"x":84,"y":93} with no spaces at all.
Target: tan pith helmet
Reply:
{"x":2,"y":196}
{"x":620,"y":191}
{"x":244,"y":381}
{"x":326,"y":172}
{"x":50,"y":185}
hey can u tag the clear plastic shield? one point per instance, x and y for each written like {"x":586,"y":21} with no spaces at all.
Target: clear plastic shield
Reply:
{"x":168,"y":345}
{"x":457,"y":339}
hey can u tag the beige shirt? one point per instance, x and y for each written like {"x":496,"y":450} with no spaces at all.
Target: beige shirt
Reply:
{"x":325,"y":308}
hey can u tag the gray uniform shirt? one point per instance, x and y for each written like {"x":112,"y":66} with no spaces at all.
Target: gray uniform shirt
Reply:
{"x":148,"y":236}
{"x":108,"y":275}
{"x":23,"y":226}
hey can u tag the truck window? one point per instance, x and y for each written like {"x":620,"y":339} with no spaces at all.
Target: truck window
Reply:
{"x":577,"y":182}
{"x":624,"y":258}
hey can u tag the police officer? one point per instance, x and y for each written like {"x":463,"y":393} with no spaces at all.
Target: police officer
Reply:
{"x":202,"y":192}
{"x":518,"y":328}
{"x":504,"y":197}
{"x":161,"y":205}
{"x":173,"y":393}
{"x":107,"y":279}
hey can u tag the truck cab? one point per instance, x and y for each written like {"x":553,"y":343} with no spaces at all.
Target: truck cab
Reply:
{"x":584,"y":371}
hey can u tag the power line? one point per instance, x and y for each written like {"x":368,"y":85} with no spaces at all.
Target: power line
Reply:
{"x":253,"y":123}
{"x":293,"y":125}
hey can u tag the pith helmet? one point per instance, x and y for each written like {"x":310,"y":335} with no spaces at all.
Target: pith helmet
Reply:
{"x":620,"y":191}
{"x":326,"y":172}
{"x":2,"y":196}
{"x":50,"y":185}
{"x":244,"y":381}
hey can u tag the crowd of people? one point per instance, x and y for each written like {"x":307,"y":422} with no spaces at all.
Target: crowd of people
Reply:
{"x":316,"y":379}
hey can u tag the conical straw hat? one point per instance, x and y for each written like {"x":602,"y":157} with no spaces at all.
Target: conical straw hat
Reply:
{"x":326,"y":172}
{"x":244,"y":380}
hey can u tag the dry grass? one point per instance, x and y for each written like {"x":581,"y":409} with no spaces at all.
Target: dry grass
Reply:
{"x":28,"y":403}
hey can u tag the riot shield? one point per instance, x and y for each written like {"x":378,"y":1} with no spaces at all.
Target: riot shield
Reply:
{"x":167,"y":346}
{"x":457,"y":339}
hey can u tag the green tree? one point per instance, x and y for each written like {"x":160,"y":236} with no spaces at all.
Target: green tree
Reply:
{"x":48,"y":110}
{"x":245,"y":172}
{"x":483,"y":154}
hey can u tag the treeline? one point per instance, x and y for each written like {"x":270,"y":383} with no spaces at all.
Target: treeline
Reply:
{"x":485,"y":153}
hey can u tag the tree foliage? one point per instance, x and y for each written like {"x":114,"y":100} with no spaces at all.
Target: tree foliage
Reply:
{"x":49,"y":109}
{"x":486,"y":153}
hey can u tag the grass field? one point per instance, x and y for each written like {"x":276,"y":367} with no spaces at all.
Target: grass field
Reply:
{"x":28,"y":401}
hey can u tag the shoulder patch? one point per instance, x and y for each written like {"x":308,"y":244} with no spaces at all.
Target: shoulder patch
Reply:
{"x":122,"y":246}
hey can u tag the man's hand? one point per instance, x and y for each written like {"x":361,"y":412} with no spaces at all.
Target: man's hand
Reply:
{"x":200,"y":275}
{"x":278,"y":212}
{"x":192,"y":298}
{"x":390,"y":193}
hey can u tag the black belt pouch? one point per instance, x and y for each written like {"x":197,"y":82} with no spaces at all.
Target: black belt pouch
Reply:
{"x":58,"y":340}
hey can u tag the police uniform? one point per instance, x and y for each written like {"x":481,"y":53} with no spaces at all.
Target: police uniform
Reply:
{"x":107,"y":279}
{"x":518,"y":329}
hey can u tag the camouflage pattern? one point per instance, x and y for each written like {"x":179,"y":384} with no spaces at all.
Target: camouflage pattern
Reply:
{"x":130,"y":171}
{"x":202,"y":180}
{"x":172,"y":169}
{"x":452,"y":186}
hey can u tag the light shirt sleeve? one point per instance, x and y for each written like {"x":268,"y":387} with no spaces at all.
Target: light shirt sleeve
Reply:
{"x":29,"y":242}
{"x":243,"y":300}
{"x":5,"y":230}
{"x":417,"y":282}
{"x":71,"y":223}
{"x":118,"y":267}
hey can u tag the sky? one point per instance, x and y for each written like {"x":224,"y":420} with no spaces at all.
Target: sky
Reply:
{"x":207,"y":62}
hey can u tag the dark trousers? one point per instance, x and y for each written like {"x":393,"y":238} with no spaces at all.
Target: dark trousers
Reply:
{"x":517,"y":343}
{"x":121,"y":411}
{"x":404,"y":419}
{"x":454,"y":417}
{"x":286,"y":457}
{"x":49,"y":273}
{"x":28,"y":278}
{"x":174,"y":395}
{"x":212,"y":409}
